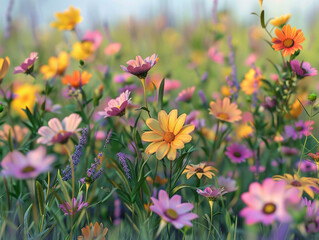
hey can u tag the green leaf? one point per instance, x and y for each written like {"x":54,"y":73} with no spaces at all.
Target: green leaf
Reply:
{"x":161,"y":94}
{"x":40,"y":196}
{"x":180,"y":187}
{"x":262,"y":19}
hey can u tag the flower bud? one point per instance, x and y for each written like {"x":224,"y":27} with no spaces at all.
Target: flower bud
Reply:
{"x":312,"y":97}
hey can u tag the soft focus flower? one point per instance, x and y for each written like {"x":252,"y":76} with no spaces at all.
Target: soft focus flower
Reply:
{"x":244,"y":131}
{"x":314,"y":157}
{"x":17,"y":133}
{"x":296,"y":108}
{"x":4,"y":67}
{"x":302,"y":69}
{"x":168,"y":134}
{"x":252,"y":81}
{"x":312,"y":215}
{"x":74,"y":207}
{"x":68,"y":19}
{"x":268,"y":202}
{"x":56,"y":66}
{"x":172,"y":210}
{"x":117,"y":106}
{"x":251,"y":59}
{"x":238,"y":153}
{"x":280,"y":21}
{"x":289,"y":40}
{"x":299,"y":130}
{"x":82,"y":50}
{"x":140,"y":67}
{"x":307,"y":166}
{"x":228,"y":184}
{"x":77,"y":79}
{"x":59,"y":132}
{"x":200,"y":170}
{"x":215,"y":56}
{"x":186,"y":95}
{"x":211,"y":193}
{"x":224,"y":110}
{"x":95,"y":37}
{"x":304,"y":184}
{"x":192,"y":118}
{"x":121,"y":78}
{"x":20,"y":166}
{"x":93,"y":232}
{"x":27,"y":65}
{"x":253,"y":168}
{"x":112,"y":48}
{"x":49,"y":106}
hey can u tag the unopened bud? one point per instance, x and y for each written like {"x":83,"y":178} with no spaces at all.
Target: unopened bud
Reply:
{"x":312,"y":97}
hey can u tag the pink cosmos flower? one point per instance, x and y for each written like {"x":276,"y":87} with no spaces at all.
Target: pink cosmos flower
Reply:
{"x":20,"y":166}
{"x":228,"y":184}
{"x":74,"y":207}
{"x":116,"y":107}
{"x":171,"y":85}
{"x":238,"y":153}
{"x":140,"y":67}
{"x":212,"y":193}
{"x":312,"y":215}
{"x":268,"y":202}
{"x":302,"y":69}
{"x":95,"y":37}
{"x":300,"y":129}
{"x":215,"y":56}
{"x":59,"y":132}
{"x":186,"y":94}
{"x":27,"y":65}
{"x":172,"y":210}
{"x":112,"y":48}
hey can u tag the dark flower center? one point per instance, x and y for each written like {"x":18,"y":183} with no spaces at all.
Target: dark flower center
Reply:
{"x":296,"y":183}
{"x":199,"y":170}
{"x":269,"y":208}
{"x":299,"y":129}
{"x":237,"y":154}
{"x":171,"y":213}
{"x":288,"y":42}
{"x":28,"y":169}
{"x":169,"y":137}
{"x":61,"y":137}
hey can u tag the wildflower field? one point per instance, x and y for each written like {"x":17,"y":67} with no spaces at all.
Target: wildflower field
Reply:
{"x":149,"y":130}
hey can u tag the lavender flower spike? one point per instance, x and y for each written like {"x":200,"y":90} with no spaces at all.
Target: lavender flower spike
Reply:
{"x":122,"y":158}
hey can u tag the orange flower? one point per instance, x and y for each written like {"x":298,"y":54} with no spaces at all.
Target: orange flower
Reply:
{"x":75,"y":80}
{"x":56,"y":66}
{"x":200,"y":170}
{"x":91,"y":232}
{"x":280,"y":21}
{"x":289,"y":40}
{"x":224,"y":110}
{"x":68,"y":19}
{"x":4,"y":66}
{"x":168,"y":134}
{"x":252,"y":81}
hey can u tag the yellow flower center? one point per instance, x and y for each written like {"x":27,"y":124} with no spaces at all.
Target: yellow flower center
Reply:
{"x":28,"y":169}
{"x":288,"y":43}
{"x":269,"y":208}
{"x":169,"y":137}
{"x":171,"y":214}
{"x":223,"y":116}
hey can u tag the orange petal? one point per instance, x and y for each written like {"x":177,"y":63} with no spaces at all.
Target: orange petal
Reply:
{"x":163,"y":120}
{"x":172,"y":117}
{"x":171,"y":155}
{"x":151,"y":137}
{"x":152,"y":148}
{"x":162,"y":150}
{"x":179,"y":123}
{"x":154,"y":125}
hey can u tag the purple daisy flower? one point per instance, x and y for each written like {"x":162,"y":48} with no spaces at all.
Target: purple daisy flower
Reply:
{"x":140,"y":67}
{"x":186,"y":94}
{"x":228,"y":184}
{"x":302,"y":69}
{"x":299,"y":130}
{"x":238,"y":153}
{"x":27,"y":65}
{"x":307,"y":166}
{"x":212,"y":193}
{"x":75,"y":208}
{"x":116,"y":107}
{"x":172,"y":210}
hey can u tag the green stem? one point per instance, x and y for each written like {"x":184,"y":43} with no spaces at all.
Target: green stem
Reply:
{"x":170,"y":178}
{"x":72,"y":167}
{"x":211,"y":205}
{"x":211,"y":153}
{"x":145,"y":98}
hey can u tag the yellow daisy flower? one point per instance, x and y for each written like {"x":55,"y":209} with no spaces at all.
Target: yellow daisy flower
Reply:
{"x":168,"y":134}
{"x":82,"y":50}
{"x":252,"y":81}
{"x":4,"y":66}
{"x":56,"y":66}
{"x":280,"y":21}
{"x":68,"y":19}
{"x":200,"y":170}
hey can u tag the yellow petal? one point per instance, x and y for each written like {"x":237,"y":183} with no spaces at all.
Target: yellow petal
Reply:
{"x":171,"y":155}
{"x":199,"y":175}
{"x":154,"y":125}
{"x":189,"y":174}
{"x":184,"y":138}
{"x":151,"y":137}
{"x":187,"y":129}
{"x":152,"y":148}
{"x":172,"y":117}
{"x":179,"y":123}
{"x":163,"y":120}
{"x":162,"y":150}
{"x":178,"y":144}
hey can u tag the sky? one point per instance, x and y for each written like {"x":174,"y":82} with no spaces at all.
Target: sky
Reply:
{"x":114,"y":11}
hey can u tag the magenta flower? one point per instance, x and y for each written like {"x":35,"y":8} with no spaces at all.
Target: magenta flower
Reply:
{"x":27,"y":65}
{"x":20,"y":166}
{"x":302,"y":69}
{"x":228,"y":184}
{"x":215,"y":56}
{"x":307,"y":166}
{"x":74,"y":207}
{"x":173,"y":210}
{"x":289,"y":151}
{"x":269,"y":201}
{"x":140,"y":67}
{"x":171,"y":85}
{"x":212,"y":193}
{"x":312,"y":215}
{"x":299,"y":130}
{"x":116,"y":107}
{"x":238,"y":153}
{"x":95,"y":37}
{"x":186,"y":94}
{"x":59,"y":132}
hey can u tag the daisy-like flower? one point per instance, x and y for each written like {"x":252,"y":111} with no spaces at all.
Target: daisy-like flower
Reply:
{"x":77,"y":79}
{"x":92,"y":232}
{"x":302,"y":69}
{"x":312,"y":215}
{"x":224,"y":110}
{"x":253,"y":168}
{"x":280,"y":21}
{"x":4,"y":67}
{"x":20,"y":166}
{"x":314,"y":157}
{"x":228,"y":184}
{"x":300,"y":129}
{"x":68,"y":19}
{"x":112,"y":49}
{"x":74,"y":207}
{"x":200,"y":170}
{"x":17,"y":133}
{"x":186,"y":95}
{"x":304,"y":184}
{"x":238,"y":153}
{"x":268,"y":202}
{"x":289,"y":151}
{"x":59,"y":132}
{"x":307,"y":166}
{"x":252,"y":81}
{"x":212,"y":193}
{"x":288,"y":39}
{"x":56,"y":66}
{"x":140,"y":67}
{"x":117,"y":106}
{"x":244,"y":131}
{"x":82,"y":50}
{"x":168,"y":134}
{"x":215,"y":56}
{"x":95,"y":37}
{"x":172,"y":210}
{"x":27,"y":65}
